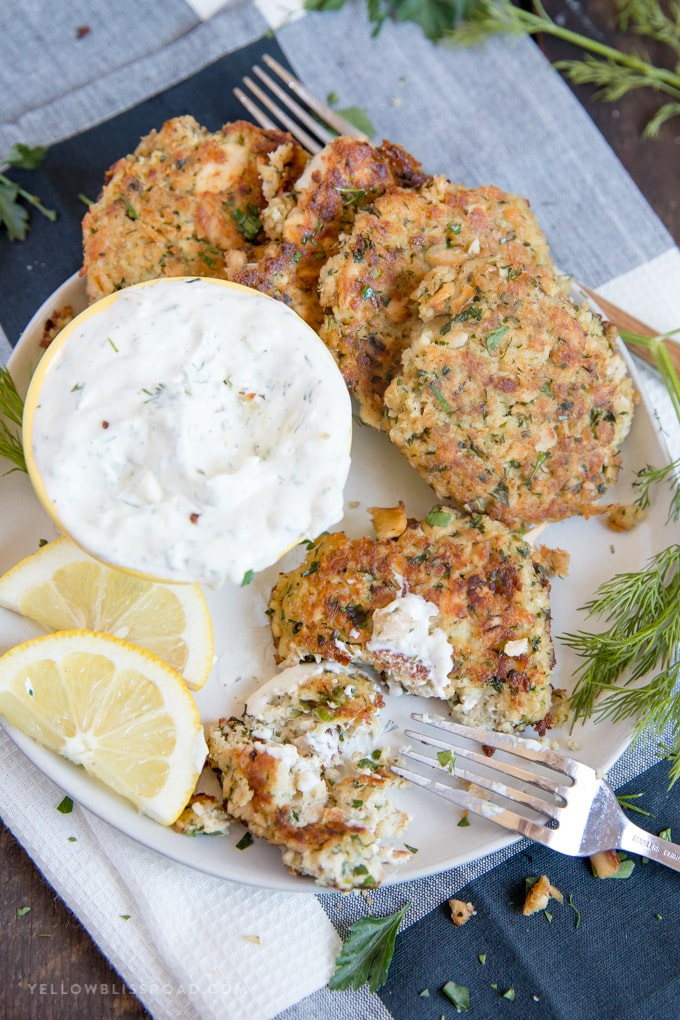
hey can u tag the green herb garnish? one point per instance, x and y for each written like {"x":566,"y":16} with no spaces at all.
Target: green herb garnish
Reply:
{"x":66,"y":806}
{"x":459,"y":996}
{"x":130,"y":210}
{"x":494,"y":338}
{"x":13,"y":215}
{"x":626,"y":802}
{"x":11,"y":415}
{"x":643,"y":635}
{"x":22,"y":911}
{"x":439,"y":396}
{"x":447,"y":760}
{"x":612,"y":71}
{"x":248,"y":223}
{"x":367,"y":952}
{"x":570,"y":903}
{"x":438,"y":518}
{"x":247,"y":578}
{"x":245,"y":841}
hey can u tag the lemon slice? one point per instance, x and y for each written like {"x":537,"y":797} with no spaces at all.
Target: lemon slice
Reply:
{"x":63,"y":588}
{"x":118,"y":711}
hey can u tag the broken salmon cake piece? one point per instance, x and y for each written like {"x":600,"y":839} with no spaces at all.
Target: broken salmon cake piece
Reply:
{"x":181,"y":199}
{"x":305,"y":221}
{"x":301,"y":770}
{"x":454,"y":607}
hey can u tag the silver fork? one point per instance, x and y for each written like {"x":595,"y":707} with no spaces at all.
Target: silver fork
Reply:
{"x":310,"y":129}
{"x":560,"y":802}
{"x":315,"y":124}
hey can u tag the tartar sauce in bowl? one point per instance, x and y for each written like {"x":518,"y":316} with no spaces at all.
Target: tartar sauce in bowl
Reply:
{"x":190,"y":430}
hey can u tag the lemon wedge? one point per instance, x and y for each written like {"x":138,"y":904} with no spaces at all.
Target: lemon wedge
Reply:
{"x":118,"y":711}
{"x":63,"y":588}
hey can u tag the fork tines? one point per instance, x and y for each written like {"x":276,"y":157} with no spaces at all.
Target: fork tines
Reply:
{"x":538,"y":794}
{"x":310,"y":128}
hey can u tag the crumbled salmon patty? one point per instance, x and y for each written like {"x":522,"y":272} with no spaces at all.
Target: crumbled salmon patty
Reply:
{"x":182,"y":199}
{"x":301,"y":770}
{"x":304,"y":223}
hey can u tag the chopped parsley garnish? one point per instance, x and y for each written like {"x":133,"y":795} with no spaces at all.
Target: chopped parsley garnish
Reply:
{"x":459,"y":996}
{"x":494,"y":338}
{"x":447,"y":760}
{"x":570,"y":903}
{"x":245,"y":841}
{"x":247,"y":578}
{"x":501,"y":493}
{"x":438,"y":518}
{"x":22,"y":911}
{"x":130,"y":210}
{"x":66,"y":806}
{"x":247,"y":223}
{"x":439,"y":396}
{"x":367,"y":952}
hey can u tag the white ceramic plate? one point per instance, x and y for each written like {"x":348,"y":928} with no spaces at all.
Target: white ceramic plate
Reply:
{"x":379,"y":476}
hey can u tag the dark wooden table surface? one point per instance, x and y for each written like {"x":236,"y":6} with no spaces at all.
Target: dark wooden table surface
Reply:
{"x":46,"y":947}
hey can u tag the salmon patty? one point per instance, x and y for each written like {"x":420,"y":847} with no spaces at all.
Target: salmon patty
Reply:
{"x":455,"y":607}
{"x":367,"y":288}
{"x":511,"y":400}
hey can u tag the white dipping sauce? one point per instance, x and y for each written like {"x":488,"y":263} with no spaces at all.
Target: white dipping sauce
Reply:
{"x":189,"y":430}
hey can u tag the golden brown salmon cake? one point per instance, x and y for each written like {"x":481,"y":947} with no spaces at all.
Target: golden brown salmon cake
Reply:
{"x":455,"y":607}
{"x":181,"y":199}
{"x":511,"y":400}
{"x":367,"y":287}
{"x":305,"y":222}
{"x":301,"y":770}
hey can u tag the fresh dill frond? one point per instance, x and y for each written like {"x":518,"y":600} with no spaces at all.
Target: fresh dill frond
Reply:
{"x":612,"y":71}
{"x":642,"y":638}
{"x":11,"y":413}
{"x":649,"y":476}
{"x":649,"y":18}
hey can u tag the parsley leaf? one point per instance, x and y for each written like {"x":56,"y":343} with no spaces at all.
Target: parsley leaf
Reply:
{"x":13,"y":215}
{"x":358,"y":117}
{"x":65,"y":806}
{"x":438,"y":518}
{"x":247,"y":223}
{"x":367,"y":952}
{"x":24,"y":157}
{"x":459,"y":996}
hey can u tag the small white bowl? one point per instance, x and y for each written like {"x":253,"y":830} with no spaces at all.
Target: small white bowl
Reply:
{"x":188,"y":430}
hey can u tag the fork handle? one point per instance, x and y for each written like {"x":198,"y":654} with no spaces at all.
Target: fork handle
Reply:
{"x":638,"y":841}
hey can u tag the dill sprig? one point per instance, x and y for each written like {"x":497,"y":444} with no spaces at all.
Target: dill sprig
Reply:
{"x":612,"y":71}
{"x":642,"y":637}
{"x":648,"y":17}
{"x":650,"y":476}
{"x":641,"y":613}
{"x":11,"y":413}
